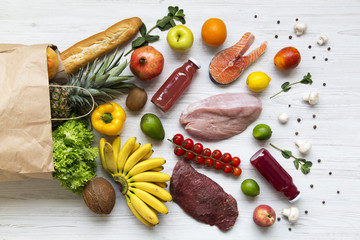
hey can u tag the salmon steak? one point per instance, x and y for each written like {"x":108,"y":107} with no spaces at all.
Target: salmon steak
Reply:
{"x":228,"y":64}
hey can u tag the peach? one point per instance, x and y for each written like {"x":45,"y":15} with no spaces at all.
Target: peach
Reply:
{"x":287,"y":58}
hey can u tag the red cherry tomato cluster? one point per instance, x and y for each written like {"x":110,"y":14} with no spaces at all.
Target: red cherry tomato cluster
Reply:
{"x":200,"y":155}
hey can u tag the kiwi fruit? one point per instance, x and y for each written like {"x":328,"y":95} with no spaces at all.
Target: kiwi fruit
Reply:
{"x":136,"y":99}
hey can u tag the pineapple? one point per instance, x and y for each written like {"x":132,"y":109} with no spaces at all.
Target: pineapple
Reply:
{"x":103,"y":82}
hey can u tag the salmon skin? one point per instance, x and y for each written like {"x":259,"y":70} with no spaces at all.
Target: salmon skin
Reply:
{"x":228,"y":64}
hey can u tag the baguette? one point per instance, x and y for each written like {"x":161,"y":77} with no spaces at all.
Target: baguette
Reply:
{"x":99,"y":44}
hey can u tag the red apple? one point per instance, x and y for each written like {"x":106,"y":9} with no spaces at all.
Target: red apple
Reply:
{"x":146,"y":63}
{"x":264,"y":216}
{"x":287,"y":58}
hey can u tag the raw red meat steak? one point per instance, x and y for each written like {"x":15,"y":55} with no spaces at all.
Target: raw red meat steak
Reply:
{"x":202,"y":198}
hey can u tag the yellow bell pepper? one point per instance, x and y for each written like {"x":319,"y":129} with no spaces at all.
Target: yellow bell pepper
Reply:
{"x":108,"y":118}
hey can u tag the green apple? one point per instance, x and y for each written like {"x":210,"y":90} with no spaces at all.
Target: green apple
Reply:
{"x":180,"y":38}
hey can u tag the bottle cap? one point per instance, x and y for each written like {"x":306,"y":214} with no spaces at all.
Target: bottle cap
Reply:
{"x":296,"y":198}
{"x":196,"y":62}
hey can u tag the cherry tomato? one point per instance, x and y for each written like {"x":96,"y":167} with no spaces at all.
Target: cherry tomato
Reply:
{"x":227,"y":168}
{"x":237,"y":171}
{"x":209,"y":162}
{"x":226,"y":158}
{"x":216,"y":154}
{"x":179,"y":151}
{"x":189,"y":155}
{"x":178,"y":139}
{"x":199,"y":159}
{"x":218,"y":165}
{"x":188,"y":143}
{"x":206,"y":152}
{"x":198,"y":148}
{"x":235,"y":161}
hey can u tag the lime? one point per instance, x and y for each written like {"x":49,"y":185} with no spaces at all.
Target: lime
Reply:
{"x":151,"y":125}
{"x":258,"y":81}
{"x":250,"y":187}
{"x":262,"y":132}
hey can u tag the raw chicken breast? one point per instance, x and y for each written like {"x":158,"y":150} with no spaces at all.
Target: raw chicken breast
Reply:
{"x":221,"y":116}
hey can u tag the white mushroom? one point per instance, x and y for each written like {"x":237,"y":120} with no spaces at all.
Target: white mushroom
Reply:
{"x":322,"y":40}
{"x":283,"y":118}
{"x":292,"y":214}
{"x":312,"y":98}
{"x":304,"y":147}
{"x":300,"y":28}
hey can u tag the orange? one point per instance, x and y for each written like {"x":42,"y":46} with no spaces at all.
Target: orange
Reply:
{"x":213,"y":32}
{"x":52,"y":62}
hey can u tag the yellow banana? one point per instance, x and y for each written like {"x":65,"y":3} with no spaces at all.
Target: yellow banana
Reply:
{"x":136,"y":214}
{"x":150,"y":177}
{"x":116,"y":147}
{"x":150,"y":200}
{"x":109,"y":158}
{"x":156,"y":169}
{"x":101,"y":152}
{"x":153,"y":189}
{"x":161,"y":184}
{"x":145,"y":165}
{"x":136,"y":146}
{"x":147,"y":156}
{"x":124,"y":153}
{"x":143,"y":209}
{"x":136,"y":157}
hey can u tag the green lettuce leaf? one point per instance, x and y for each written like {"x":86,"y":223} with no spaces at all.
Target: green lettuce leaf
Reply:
{"x":74,"y":157}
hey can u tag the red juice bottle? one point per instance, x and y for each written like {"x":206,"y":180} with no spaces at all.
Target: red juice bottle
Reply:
{"x":175,"y":85}
{"x":275,"y":174}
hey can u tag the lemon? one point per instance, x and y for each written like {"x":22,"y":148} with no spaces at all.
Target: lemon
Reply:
{"x":250,"y":187}
{"x":258,"y":81}
{"x":262,"y":132}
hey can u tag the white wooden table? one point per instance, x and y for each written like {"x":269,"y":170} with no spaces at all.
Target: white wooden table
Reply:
{"x":40,"y":209}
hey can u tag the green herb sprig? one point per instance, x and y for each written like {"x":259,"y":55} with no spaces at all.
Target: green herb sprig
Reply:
{"x":305,"y":165}
{"x":163,"y":24}
{"x":286,"y":86}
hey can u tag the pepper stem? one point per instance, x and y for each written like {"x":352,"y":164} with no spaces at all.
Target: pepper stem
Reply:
{"x":107,"y":117}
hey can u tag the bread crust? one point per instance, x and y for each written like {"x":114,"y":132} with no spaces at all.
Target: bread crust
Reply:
{"x":99,"y":44}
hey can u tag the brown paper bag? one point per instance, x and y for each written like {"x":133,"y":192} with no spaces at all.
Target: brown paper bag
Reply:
{"x":25,"y":118}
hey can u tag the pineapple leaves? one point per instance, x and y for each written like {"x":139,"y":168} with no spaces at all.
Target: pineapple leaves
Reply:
{"x":102,"y":78}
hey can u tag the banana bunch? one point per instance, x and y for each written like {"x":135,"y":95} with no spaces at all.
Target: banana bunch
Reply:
{"x":139,"y":177}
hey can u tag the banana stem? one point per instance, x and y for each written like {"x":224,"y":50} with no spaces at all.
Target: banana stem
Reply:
{"x":123,"y":183}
